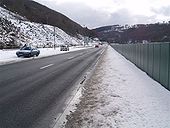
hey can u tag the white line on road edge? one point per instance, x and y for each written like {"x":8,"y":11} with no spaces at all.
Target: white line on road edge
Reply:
{"x":70,"y":107}
{"x":60,"y":120}
{"x":46,"y":66}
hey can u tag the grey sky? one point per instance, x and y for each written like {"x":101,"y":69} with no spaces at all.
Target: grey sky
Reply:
{"x":96,"y":13}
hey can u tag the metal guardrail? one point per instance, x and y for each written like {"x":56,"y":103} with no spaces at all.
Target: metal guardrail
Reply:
{"x":152,"y":58}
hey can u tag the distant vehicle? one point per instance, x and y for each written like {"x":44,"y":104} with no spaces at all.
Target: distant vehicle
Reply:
{"x":27,"y":52}
{"x":96,"y":46}
{"x":64,"y":48}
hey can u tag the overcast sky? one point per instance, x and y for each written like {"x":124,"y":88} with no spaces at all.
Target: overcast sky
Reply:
{"x":96,"y":13}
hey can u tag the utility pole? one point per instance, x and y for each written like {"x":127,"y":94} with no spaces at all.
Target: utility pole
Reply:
{"x":54,"y":37}
{"x":3,"y":40}
{"x":19,"y":32}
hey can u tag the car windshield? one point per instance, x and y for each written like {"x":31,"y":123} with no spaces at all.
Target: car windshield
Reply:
{"x":63,"y":46}
{"x":26,"y":48}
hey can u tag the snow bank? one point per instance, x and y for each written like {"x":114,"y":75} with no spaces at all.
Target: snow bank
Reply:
{"x":9,"y":56}
{"x":120,"y":95}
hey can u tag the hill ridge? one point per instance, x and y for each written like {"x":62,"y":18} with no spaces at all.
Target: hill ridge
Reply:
{"x":39,"y":13}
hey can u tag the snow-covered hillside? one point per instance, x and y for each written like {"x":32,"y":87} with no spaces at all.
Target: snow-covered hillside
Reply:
{"x":17,"y":30}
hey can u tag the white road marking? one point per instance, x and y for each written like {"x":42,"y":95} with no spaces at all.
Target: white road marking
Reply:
{"x":70,"y":58}
{"x":46,"y":66}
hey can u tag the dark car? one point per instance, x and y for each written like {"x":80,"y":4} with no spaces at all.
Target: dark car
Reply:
{"x":64,"y":48}
{"x":96,"y":46}
{"x":28,"y":52}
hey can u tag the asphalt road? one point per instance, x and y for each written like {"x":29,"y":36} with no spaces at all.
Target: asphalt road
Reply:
{"x":33,"y":92}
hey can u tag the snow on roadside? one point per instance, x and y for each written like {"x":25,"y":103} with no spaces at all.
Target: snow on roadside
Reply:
{"x":9,"y":56}
{"x":119,"y":95}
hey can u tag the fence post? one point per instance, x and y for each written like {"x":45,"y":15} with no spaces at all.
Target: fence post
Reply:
{"x":150,"y":59}
{"x":164,"y":64}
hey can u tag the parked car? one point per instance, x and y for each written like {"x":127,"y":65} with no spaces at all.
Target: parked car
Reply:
{"x":28,"y":52}
{"x":64,"y":48}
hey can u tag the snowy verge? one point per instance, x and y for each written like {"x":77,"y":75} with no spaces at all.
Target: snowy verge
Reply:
{"x":120,"y":95}
{"x":74,"y":99}
{"x":9,"y":56}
